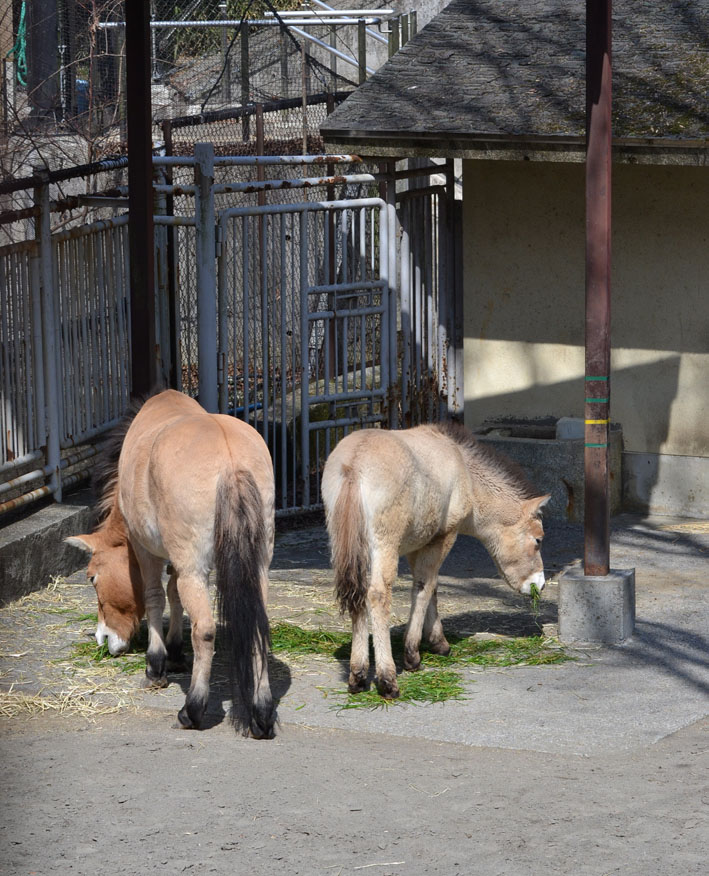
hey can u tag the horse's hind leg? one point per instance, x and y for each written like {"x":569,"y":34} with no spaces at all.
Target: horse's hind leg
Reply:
{"x":383,"y":573}
{"x":359,"y":658}
{"x":192,"y":590}
{"x":155,"y":659}
{"x":425,"y":564}
{"x":433,"y":629}
{"x":175,"y":657}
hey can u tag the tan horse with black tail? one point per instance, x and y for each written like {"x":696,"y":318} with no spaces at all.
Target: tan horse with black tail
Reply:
{"x":195,"y":489}
{"x":410,"y":492}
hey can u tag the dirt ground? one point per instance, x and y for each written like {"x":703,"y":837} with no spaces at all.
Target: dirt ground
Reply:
{"x":599,"y":766}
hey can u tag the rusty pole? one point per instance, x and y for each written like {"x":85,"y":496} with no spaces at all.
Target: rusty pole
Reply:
{"x":598,"y":287}
{"x":140,"y":198}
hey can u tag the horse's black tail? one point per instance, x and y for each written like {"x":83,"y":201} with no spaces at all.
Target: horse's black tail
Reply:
{"x":348,"y":544}
{"x":241,"y":561}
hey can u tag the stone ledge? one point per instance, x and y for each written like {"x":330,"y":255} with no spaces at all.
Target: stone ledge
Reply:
{"x":33,"y":551}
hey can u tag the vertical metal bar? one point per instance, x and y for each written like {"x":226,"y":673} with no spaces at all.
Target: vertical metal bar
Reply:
{"x":175,"y":371}
{"x":404,"y":29}
{"x":362,"y":50}
{"x":305,"y":360}
{"x":206,"y":276}
{"x":140,"y":185}
{"x":332,"y":62}
{"x":405,"y":311}
{"x":245,"y":83}
{"x":222,"y":321}
{"x":413,"y":26}
{"x":284,"y":364}
{"x":247,"y":312}
{"x":390,"y":353}
{"x":263,"y":249}
{"x":393,"y":35}
{"x":386,"y":232}
{"x":304,"y":91}
{"x":598,"y":286}
{"x":49,"y":326}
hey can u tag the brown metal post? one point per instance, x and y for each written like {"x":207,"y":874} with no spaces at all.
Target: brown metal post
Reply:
{"x":598,"y":287}
{"x":140,"y":197}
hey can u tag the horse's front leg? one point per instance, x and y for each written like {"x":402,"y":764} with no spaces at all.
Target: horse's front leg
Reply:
{"x":194,"y":596}
{"x":425,"y":564}
{"x":175,"y":657}
{"x":155,"y":659}
{"x":383,"y":574}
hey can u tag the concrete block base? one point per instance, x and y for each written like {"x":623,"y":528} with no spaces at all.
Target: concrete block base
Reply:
{"x":597,"y":609}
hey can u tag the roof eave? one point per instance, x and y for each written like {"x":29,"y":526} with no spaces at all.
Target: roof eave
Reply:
{"x":557,"y":148}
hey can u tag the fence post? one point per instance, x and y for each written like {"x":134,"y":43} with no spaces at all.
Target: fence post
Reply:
{"x":362,"y":49}
{"x":393,"y":35}
{"x":304,"y":360}
{"x":245,"y":84}
{"x":206,"y":276}
{"x":43,"y":236}
{"x":393,"y":290}
{"x":226,"y":58}
{"x":404,"y":29}
{"x":413,"y":26}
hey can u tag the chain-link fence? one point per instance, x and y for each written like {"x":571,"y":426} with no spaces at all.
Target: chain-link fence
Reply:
{"x":247,"y":75}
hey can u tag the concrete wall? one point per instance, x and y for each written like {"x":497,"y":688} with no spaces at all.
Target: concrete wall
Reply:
{"x":524,"y":311}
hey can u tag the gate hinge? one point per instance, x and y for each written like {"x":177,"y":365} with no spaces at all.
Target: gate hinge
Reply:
{"x":218,"y":239}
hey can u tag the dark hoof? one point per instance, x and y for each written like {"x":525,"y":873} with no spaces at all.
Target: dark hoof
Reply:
{"x":442,"y":648}
{"x":389,"y":690}
{"x":412,"y":661}
{"x":153,"y":683}
{"x":261,"y":726}
{"x":357,"y":682}
{"x":186,"y":722}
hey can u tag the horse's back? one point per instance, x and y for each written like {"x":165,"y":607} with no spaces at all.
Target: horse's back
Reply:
{"x":173,"y":458}
{"x":413,"y":482}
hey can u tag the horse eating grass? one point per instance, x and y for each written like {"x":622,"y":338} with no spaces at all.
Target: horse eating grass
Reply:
{"x":410,"y":492}
{"x":196,"y":489}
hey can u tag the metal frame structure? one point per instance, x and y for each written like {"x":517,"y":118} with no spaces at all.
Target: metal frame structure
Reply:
{"x":307,"y":318}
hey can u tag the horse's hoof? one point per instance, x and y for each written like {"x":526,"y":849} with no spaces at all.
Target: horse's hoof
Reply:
{"x":186,"y":723}
{"x":442,"y":648}
{"x":389,"y":690}
{"x":357,"y":682}
{"x":149,"y":683}
{"x":412,"y":661}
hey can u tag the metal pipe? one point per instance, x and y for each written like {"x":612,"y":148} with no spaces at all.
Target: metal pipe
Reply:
{"x":206,"y":276}
{"x":49,"y":339}
{"x":140,"y":181}
{"x":598,"y":286}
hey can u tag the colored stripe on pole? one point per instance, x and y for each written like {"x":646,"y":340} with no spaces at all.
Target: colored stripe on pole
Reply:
{"x":597,"y":401}
{"x":595,"y":445}
{"x":596,"y":378}
{"x":596,"y":422}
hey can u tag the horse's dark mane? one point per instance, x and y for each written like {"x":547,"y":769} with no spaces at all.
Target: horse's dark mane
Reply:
{"x":508,"y":471}
{"x":104,"y":479}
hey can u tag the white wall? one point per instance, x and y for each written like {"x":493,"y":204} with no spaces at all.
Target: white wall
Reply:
{"x":524,"y":299}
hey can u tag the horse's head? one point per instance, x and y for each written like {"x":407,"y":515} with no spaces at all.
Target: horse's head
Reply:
{"x":515,"y":545}
{"x":113,"y":570}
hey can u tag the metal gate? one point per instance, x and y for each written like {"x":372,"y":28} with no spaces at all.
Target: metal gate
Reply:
{"x":304,"y":329}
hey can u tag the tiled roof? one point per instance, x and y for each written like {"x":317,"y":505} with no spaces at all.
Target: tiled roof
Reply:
{"x":491,"y":70}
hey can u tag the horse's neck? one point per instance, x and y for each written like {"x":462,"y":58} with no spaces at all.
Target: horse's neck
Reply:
{"x":485,"y":499}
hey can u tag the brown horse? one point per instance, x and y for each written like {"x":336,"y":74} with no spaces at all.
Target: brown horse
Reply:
{"x":195,"y":489}
{"x":410,"y":492}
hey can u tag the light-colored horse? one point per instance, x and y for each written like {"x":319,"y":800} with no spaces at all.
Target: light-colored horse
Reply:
{"x":410,"y":492}
{"x":196,"y":489}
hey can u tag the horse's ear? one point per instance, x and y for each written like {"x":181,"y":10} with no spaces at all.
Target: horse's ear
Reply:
{"x":83,"y":542}
{"x":535,"y":506}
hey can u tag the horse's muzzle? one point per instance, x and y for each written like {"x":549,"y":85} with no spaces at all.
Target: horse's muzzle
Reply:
{"x":116,"y":645}
{"x":537,"y":579}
